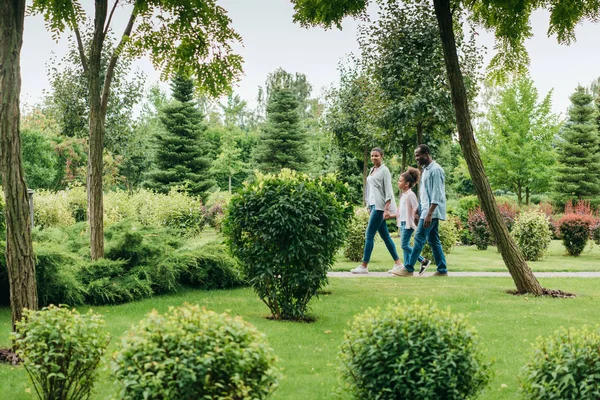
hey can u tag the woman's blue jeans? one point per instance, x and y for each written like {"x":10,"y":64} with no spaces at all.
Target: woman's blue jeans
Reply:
{"x":405,"y":235}
{"x":431,"y":236}
{"x":377,"y":224}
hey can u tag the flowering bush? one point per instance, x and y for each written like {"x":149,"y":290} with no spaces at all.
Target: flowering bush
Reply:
{"x":508,"y":212}
{"x":478,"y":226}
{"x":575,"y":226}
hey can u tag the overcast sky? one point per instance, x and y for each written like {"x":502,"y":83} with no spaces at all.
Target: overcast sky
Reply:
{"x":271,"y":40}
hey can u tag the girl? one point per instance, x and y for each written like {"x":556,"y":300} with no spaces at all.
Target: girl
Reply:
{"x":379,"y":194}
{"x":408,"y":217}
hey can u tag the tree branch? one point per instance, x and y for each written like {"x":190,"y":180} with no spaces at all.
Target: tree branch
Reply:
{"x":84,"y":60}
{"x":110,"y":17}
{"x":110,"y":71}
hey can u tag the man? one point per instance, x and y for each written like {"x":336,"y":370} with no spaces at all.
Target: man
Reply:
{"x":432,"y":197}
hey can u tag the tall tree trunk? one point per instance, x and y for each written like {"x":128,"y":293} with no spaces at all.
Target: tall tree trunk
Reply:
{"x":527,"y":194}
{"x":524,"y":279}
{"x":97,"y":118}
{"x":366,"y":155}
{"x":419,"y":134}
{"x":19,"y":250}
{"x":519,"y":194}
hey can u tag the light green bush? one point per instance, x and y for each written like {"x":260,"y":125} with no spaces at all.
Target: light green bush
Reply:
{"x":565,"y":366}
{"x":77,"y":200}
{"x":532,"y":234}
{"x":412,"y":351}
{"x":192,"y":353}
{"x":355,"y":239}
{"x":61,"y":349}
{"x":51,"y":209}
{"x":118,"y":206}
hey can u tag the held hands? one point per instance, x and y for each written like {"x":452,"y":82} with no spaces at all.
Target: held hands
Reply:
{"x":386,"y":214}
{"x":427,"y":221}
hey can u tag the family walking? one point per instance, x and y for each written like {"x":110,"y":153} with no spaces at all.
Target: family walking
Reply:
{"x":423,"y":220}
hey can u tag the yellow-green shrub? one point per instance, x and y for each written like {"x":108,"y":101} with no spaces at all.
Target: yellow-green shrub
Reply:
{"x":532,"y":234}
{"x":355,"y":239}
{"x":51,"y":209}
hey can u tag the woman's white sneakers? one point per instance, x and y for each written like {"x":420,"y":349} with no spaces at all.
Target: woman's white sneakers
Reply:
{"x":360,"y":270}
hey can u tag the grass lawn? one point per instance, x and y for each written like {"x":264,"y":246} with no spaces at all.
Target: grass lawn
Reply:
{"x":308,"y":352}
{"x":468,"y":258}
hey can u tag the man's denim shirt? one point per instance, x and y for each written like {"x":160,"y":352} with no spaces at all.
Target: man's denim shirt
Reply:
{"x":432,"y":191}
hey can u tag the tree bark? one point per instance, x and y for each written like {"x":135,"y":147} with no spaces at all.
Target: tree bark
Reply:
{"x":522,"y":275}
{"x":19,"y":249}
{"x":96,"y":143}
{"x":527,"y":195}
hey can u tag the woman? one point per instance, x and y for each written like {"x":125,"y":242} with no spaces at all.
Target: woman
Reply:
{"x":379,"y":194}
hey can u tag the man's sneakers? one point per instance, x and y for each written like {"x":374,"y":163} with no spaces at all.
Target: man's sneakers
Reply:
{"x":397,"y":267}
{"x":401,"y":272}
{"x":424,"y":264}
{"x":360,"y":270}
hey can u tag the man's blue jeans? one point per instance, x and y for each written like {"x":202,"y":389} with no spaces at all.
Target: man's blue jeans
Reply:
{"x":431,"y":235}
{"x":377,"y":224}
{"x":405,"y":235}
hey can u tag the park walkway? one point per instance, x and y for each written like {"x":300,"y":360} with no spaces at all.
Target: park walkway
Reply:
{"x":468,"y":275}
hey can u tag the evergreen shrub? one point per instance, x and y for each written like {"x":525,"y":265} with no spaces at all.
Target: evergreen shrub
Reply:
{"x":209,"y":267}
{"x":564,"y":366}
{"x":532,"y":234}
{"x":478,"y":226}
{"x":448,"y":236}
{"x":412,"y":351}
{"x":286,"y":229}
{"x":61,"y":350}
{"x":575,"y":232}
{"x":57,"y":276}
{"x":192,"y":353}
{"x":354,"y":244}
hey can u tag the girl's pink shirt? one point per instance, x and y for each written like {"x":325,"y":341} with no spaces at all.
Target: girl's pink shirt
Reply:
{"x":411,"y":209}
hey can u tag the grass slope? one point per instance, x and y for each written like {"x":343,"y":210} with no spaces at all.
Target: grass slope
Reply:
{"x":308,"y":352}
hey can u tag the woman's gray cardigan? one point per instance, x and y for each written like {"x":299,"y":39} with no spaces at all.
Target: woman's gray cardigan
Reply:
{"x":382,"y":184}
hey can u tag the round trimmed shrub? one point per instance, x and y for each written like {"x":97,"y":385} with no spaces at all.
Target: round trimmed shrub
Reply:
{"x":355,"y":239}
{"x":564,"y":366}
{"x":532,"y":234}
{"x":478,"y":226}
{"x":61,"y":350}
{"x":575,"y":232}
{"x":412,"y":351}
{"x":448,"y":236}
{"x":192,"y":353}
{"x":286,"y":229}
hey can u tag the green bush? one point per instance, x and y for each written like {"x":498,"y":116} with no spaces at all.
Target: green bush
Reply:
{"x":448,"y":232}
{"x":51,"y":209}
{"x":60,"y":350}
{"x":412,"y":351}
{"x":564,"y":366}
{"x":575,"y":232}
{"x":192,"y":353}
{"x":355,"y":238}
{"x":532,"y":234}
{"x":209,"y":267}
{"x":465,"y":205}
{"x":478,"y":226}
{"x":77,"y":200}
{"x":286,"y":229}
{"x":118,"y":206}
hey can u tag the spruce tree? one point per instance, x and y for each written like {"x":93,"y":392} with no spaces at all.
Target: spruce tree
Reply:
{"x":181,"y":149}
{"x":283,"y":142}
{"x":578,"y":171}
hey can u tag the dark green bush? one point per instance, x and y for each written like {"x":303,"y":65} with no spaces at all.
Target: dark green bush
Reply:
{"x":355,"y":238}
{"x":209,"y":267}
{"x":412,"y":351}
{"x":532,"y":234}
{"x":285,"y":230}
{"x":565,"y":366}
{"x":192,"y":353}
{"x":60,"y":350}
{"x":478,"y":226}
{"x":596,"y":231}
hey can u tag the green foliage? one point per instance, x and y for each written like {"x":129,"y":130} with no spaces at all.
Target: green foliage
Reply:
{"x":283,"y":142}
{"x":564,"y":366}
{"x":412,"y":351}
{"x":596,"y":231}
{"x":40,"y":161}
{"x":478,"y":226}
{"x":578,"y":172}
{"x":517,"y":139}
{"x":194,"y":353}
{"x":181,"y":149}
{"x":355,"y":239}
{"x":448,"y":236}
{"x":575,"y":232}
{"x":466,"y":204}
{"x":208,"y":267}
{"x":286,"y":229}
{"x":532,"y":234}
{"x":61,"y":350}
{"x":51,"y":209}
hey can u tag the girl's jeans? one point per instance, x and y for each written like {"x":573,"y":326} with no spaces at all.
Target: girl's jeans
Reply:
{"x":377,"y":224}
{"x":405,"y":235}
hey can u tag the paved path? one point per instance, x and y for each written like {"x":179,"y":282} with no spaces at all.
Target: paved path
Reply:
{"x":468,"y":274}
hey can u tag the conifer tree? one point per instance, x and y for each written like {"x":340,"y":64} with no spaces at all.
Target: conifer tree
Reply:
{"x":181,"y":149}
{"x":578,"y":172}
{"x":282,"y":143}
